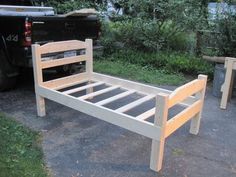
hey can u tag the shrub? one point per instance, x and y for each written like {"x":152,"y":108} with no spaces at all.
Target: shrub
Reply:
{"x":167,"y":61}
{"x":146,"y":35}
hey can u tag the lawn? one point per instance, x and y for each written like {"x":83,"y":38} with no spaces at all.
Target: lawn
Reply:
{"x":138,"y":73}
{"x":20,"y":151}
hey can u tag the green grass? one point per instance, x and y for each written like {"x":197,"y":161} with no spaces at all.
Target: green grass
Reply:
{"x":20,"y":153}
{"x":168,"y":61}
{"x":137,"y":72}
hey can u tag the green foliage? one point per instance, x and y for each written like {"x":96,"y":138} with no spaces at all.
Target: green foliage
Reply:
{"x":168,"y":62}
{"x":146,"y":35}
{"x":138,"y":73}
{"x":20,"y":154}
{"x":64,"y":6}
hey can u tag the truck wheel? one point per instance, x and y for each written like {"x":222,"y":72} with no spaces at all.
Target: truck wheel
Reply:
{"x":6,"y":82}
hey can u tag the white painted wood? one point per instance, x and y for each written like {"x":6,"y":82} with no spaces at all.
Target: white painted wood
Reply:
{"x":63,"y":61}
{"x":141,"y":88}
{"x":116,"y":97}
{"x":146,"y":114}
{"x":125,"y":121}
{"x":135,"y":103}
{"x":99,"y":92}
{"x":53,"y":47}
{"x":82,"y":88}
{"x":161,"y":115}
{"x":38,"y":79}
{"x":196,"y":120}
{"x":174,"y":123}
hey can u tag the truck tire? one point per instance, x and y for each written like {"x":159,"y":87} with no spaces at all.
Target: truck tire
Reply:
{"x":8,"y":73}
{"x":6,"y":82}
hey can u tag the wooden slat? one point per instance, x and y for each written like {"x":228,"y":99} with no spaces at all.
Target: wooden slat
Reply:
{"x":125,"y":121}
{"x":66,"y":81}
{"x":116,"y":97}
{"x":99,"y":92}
{"x":63,"y":61}
{"x":181,"y":118}
{"x":52,"y":47}
{"x":183,"y":92}
{"x":82,"y":88}
{"x":142,"y":88}
{"x":146,"y":114}
{"x":135,"y":103}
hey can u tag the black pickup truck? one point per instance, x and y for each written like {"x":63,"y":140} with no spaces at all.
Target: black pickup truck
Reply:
{"x":22,"y":23}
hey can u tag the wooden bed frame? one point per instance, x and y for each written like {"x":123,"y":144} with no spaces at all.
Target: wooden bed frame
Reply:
{"x":227,"y":87}
{"x":158,"y":130}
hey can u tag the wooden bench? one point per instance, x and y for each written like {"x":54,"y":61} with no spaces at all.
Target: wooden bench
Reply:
{"x":227,"y":87}
{"x":158,"y":130}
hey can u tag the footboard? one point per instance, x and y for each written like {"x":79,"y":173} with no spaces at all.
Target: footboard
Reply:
{"x":192,"y":112}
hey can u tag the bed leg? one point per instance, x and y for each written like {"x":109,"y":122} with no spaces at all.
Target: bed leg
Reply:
{"x":226,"y":85}
{"x":196,"y":120}
{"x":160,"y":120}
{"x":40,"y":102}
{"x":157,"y":152}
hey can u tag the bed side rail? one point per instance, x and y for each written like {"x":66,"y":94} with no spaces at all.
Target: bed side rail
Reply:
{"x":39,"y":63}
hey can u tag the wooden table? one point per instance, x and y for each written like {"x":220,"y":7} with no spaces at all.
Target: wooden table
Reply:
{"x":227,"y":87}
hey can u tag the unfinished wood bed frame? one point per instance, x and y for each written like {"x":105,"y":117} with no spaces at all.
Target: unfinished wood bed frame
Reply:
{"x":190,"y":95}
{"x":227,"y":87}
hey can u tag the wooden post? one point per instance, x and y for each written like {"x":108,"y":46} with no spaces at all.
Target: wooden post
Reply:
{"x":38,"y":79}
{"x":160,"y":120}
{"x":195,"y":122}
{"x":89,"y":62}
{"x":227,"y":83}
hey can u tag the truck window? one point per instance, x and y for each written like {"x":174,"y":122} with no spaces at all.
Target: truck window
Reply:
{"x":16,"y":2}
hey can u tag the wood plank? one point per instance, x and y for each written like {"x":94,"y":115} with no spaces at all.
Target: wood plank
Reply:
{"x":146,"y":114}
{"x":38,"y":79}
{"x":63,"y":61}
{"x":135,"y":103}
{"x":183,"y":92}
{"x":181,"y":118}
{"x":141,"y":88}
{"x":99,"y":92}
{"x":66,"y":81}
{"x":82,"y":88}
{"x":228,"y":81}
{"x":116,"y":97}
{"x":53,"y":47}
{"x":157,"y":149}
{"x":196,"y":120}
{"x":125,"y":121}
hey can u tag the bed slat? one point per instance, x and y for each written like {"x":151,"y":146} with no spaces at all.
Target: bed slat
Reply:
{"x":82,"y":88}
{"x":116,"y":97}
{"x":135,"y":103}
{"x":91,"y":95}
{"x":146,"y":114}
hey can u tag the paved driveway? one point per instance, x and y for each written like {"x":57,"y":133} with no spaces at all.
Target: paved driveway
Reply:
{"x":76,"y":144}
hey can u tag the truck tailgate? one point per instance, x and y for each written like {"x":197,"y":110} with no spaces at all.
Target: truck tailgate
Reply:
{"x":48,"y":29}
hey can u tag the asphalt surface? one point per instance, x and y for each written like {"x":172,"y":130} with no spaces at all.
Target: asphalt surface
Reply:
{"x":76,"y":144}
